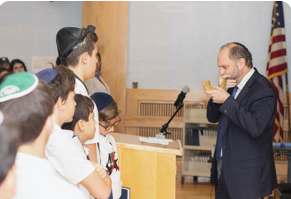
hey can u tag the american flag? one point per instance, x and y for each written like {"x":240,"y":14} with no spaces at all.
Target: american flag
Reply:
{"x":277,"y":64}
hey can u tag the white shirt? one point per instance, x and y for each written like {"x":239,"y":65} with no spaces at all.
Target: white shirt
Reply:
{"x":67,"y":159}
{"x":108,"y":150}
{"x":36,"y":178}
{"x":94,"y":85}
{"x":244,"y":81}
{"x":81,"y":89}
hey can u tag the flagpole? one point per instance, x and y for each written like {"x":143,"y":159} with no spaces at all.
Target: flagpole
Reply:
{"x":288,"y":108}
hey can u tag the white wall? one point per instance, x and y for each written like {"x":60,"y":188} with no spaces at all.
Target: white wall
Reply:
{"x":29,"y":28}
{"x":172,"y":44}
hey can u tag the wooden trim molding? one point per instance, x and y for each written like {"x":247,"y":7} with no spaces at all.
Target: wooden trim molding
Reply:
{"x":111,"y":21}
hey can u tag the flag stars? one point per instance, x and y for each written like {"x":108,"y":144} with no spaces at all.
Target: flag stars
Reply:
{"x":276,"y":5}
{"x":279,"y":23}
{"x":277,"y":13}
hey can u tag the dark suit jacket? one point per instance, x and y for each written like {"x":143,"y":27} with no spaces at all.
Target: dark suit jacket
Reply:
{"x":248,"y":161}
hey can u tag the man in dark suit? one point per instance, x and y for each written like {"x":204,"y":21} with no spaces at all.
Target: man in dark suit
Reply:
{"x":243,"y":163}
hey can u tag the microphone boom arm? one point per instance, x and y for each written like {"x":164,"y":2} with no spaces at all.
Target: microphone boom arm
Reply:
{"x":165,"y":126}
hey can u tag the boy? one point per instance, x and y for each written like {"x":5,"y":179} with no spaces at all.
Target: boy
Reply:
{"x":108,"y":118}
{"x":29,"y":101}
{"x":61,"y":152}
{"x":78,"y":51}
{"x":8,"y":148}
{"x":83,"y":123}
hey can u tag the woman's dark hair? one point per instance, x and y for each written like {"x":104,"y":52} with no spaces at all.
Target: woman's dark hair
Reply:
{"x":15,"y":61}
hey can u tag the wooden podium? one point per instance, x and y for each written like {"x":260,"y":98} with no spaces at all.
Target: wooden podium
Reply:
{"x":149,"y":170}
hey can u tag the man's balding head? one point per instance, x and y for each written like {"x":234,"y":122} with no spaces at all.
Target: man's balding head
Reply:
{"x":238,"y":51}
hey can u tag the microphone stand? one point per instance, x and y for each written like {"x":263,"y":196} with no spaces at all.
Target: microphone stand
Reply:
{"x":163,"y":132}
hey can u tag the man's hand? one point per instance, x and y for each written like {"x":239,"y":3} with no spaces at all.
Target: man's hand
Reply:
{"x":230,"y":82}
{"x":101,"y":170}
{"x":218,"y":95}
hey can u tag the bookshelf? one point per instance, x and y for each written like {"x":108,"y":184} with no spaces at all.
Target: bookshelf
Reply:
{"x":199,"y":136}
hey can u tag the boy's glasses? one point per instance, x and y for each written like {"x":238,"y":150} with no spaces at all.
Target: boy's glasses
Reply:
{"x":111,"y":125}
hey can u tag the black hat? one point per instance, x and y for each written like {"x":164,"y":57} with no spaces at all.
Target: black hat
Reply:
{"x":4,"y":60}
{"x":69,"y":38}
{"x":102,"y":100}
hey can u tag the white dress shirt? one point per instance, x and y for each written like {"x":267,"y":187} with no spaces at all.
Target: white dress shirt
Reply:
{"x":244,"y":81}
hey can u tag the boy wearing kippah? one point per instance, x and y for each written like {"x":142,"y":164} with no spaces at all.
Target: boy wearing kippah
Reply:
{"x":108,"y":118}
{"x":29,"y":102}
{"x":77,"y":48}
{"x":8,"y":148}
{"x":61,"y":151}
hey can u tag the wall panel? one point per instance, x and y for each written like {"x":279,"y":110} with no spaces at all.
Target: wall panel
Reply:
{"x":110,"y":19}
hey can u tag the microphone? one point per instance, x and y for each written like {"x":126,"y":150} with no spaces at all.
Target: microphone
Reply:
{"x":181,"y":96}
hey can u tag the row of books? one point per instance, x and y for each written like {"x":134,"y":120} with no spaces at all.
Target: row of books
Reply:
{"x":192,"y":135}
{"x":203,"y":179}
{"x":209,"y":132}
{"x":201,"y":157}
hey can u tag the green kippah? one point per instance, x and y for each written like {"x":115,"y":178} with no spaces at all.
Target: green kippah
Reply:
{"x":17,"y":85}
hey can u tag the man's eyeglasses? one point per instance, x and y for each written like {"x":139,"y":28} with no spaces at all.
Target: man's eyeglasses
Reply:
{"x":112,"y":125}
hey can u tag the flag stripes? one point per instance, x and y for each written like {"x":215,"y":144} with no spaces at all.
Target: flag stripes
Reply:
{"x":277,"y":65}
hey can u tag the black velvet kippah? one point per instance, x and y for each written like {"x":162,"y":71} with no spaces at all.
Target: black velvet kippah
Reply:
{"x":102,"y":100}
{"x":237,"y":43}
{"x":69,"y":38}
